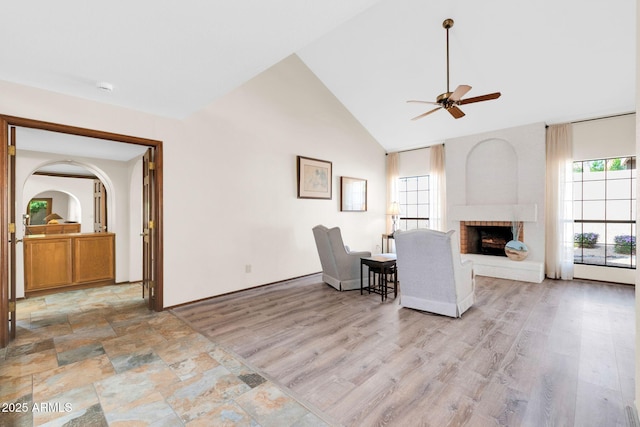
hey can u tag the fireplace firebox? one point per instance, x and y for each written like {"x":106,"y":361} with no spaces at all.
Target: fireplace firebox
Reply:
{"x":485,"y":237}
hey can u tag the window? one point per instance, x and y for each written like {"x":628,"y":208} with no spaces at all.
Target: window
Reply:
{"x":604,"y":211}
{"x":38,"y":210}
{"x":414,"y":202}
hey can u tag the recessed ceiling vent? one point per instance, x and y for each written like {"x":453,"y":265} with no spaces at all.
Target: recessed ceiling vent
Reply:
{"x":105,"y":86}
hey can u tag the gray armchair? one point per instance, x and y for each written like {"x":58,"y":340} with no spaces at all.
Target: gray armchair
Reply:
{"x":340,"y":266}
{"x":431,"y":274}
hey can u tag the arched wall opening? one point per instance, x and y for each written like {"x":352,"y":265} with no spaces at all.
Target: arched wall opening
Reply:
{"x":65,"y":204}
{"x":76,"y":185}
{"x":34,"y":177}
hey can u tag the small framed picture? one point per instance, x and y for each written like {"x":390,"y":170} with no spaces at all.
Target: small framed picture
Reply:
{"x":353,"y":194}
{"x":314,"y":178}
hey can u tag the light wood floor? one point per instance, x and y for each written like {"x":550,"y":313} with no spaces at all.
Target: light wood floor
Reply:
{"x":556,"y":353}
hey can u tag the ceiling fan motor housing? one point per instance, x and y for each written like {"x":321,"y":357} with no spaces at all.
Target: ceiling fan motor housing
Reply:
{"x":443,"y":98}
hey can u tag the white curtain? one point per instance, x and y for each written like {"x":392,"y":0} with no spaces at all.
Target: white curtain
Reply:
{"x":438,"y":201}
{"x":392,"y":185}
{"x":559,"y":202}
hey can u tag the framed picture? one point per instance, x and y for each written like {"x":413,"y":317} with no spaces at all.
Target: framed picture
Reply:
{"x":314,"y":178}
{"x":353,"y":194}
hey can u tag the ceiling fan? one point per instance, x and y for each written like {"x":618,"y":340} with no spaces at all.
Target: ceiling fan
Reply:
{"x":450,"y":100}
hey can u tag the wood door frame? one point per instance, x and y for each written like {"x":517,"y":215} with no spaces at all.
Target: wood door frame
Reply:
{"x":5,"y":209}
{"x":99,"y":206}
{"x":11,"y":304}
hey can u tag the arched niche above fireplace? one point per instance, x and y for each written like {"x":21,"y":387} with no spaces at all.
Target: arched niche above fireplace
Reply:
{"x":492,"y":173}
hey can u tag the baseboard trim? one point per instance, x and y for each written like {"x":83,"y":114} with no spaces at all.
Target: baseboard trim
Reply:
{"x":240,"y":290}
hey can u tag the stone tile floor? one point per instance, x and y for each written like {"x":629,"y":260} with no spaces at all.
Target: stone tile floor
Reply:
{"x":99,"y":357}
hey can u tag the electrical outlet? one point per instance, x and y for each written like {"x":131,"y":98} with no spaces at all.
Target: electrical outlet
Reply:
{"x":247,"y":268}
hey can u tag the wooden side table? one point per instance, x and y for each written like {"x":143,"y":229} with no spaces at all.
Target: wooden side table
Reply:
{"x":383,"y":265}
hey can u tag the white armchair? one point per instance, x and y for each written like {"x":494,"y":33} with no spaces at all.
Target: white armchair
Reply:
{"x":340,"y":266}
{"x":431,"y":273}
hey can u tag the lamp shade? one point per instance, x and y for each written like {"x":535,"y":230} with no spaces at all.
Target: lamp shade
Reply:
{"x":394,"y":209}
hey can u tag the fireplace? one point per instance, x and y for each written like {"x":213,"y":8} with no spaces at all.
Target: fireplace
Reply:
{"x":486,"y":237}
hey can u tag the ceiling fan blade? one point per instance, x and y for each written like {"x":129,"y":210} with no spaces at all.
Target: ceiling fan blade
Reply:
{"x":423,"y":102}
{"x":425,"y":114}
{"x":455,"y":112}
{"x":459,"y":92}
{"x":486,"y":97}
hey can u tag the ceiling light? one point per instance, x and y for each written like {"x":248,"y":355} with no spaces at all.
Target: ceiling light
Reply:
{"x":106,"y":86}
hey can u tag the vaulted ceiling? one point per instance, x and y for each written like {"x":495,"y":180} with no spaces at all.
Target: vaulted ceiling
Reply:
{"x":553,"y":61}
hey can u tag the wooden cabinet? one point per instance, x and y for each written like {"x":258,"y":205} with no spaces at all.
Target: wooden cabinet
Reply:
{"x":68,"y":260}
{"x":64,"y":228}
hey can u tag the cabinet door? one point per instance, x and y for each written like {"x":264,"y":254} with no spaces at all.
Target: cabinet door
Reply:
{"x":47,"y":263}
{"x":94,"y":258}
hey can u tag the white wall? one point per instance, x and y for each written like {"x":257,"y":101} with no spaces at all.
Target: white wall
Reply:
{"x":236,"y":160}
{"x":527,"y":144}
{"x":242,"y":174}
{"x":135,"y":220}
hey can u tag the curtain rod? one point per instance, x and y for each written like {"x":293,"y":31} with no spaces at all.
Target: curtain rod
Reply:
{"x":598,"y":118}
{"x":546,"y":126}
{"x":413,"y":149}
{"x":605,"y":117}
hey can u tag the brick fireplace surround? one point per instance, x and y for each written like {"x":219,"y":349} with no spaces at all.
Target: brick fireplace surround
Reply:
{"x":464,"y":237}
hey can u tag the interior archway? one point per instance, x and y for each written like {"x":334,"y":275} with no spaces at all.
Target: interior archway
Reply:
{"x":78,"y":170}
{"x":62,"y":203}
